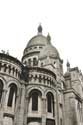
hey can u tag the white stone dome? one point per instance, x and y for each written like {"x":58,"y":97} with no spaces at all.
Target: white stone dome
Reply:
{"x":49,"y":51}
{"x":38,"y":40}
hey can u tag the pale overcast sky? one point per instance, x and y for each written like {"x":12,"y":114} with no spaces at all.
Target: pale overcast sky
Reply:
{"x":63,"y":19}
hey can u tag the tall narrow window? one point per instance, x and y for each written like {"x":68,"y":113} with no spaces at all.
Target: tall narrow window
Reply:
{"x":40,"y":78}
{"x":13,"y":70}
{"x":35,"y":62}
{"x":29,"y":62}
{"x":9,"y":69}
{"x":41,"y":64}
{"x":34,"y":101}
{"x":1,"y":89}
{"x":50,"y":104}
{"x":5,"y":67}
{"x":13,"y":90}
{"x":60,"y":121}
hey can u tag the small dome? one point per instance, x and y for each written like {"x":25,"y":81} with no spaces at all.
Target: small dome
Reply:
{"x":48,"y":37}
{"x":49,"y":51}
{"x":38,"y":40}
{"x":40,"y":29}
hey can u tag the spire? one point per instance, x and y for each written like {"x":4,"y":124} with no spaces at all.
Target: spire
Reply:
{"x":40,"y":29}
{"x":68,"y":65}
{"x":48,"y":37}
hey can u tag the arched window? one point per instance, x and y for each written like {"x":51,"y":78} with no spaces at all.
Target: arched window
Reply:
{"x":9,"y":69}
{"x":35,"y":62}
{"x":29,"y":62}
{"x":40,"y":79}
{"x":1,"y":89}
{"x":50,"y":103}
{"x":35,"y":101}
{"x":12,"y":94}
{"x":5,"y":67}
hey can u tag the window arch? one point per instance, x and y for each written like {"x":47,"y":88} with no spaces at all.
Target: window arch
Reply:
{"x":50,"y":102}
{"x":12,"y":94}
{"x":35,"y":100}
{"x":1,"y":89}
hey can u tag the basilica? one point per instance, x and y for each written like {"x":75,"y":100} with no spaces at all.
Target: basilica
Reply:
{"x":36,"y":91}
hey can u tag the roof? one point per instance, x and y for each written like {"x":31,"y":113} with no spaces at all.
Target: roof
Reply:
{"x":49,"y":51}
{"x":37,"y":40}
{"x":10,"y":58}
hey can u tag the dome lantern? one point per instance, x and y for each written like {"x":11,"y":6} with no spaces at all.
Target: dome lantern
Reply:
{"x":40,"y":29}
{"x":68,"y":65}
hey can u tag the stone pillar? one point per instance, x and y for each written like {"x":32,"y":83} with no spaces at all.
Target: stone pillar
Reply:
{"x":44,"y":110}
{"x":57,"y":107}
{"x":82,"y":112}
{"x":13,"y":102}
{"x":2,"y":107}
{"x":6,"y":97}
{"x":26,"y":110}
{"x":55,"y":112}
{"x":16,"y":109}
{"x":73,"y":112}
{"x":3,"y":98}
{"x":2,"y":69}
{"x":21,"y":108}
{"x":63,"y":111}
{"x":71,"y":117}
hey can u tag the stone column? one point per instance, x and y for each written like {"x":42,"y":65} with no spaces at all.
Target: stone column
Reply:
{"x":63,"y":110}
{"x":21,"y":108}
{"x":55,"y":112}
{"x":82,"y":112}
{"x":16,"y":109}
{"x":2,"y":106}
{"x":57,"y":108}
{"x":73,"y":111}
{"x":3,"y":98}
{"x":13,"y":102}
{"x":44,"y":110}
{"x":26,"y":110}
{"x":6,"y":97}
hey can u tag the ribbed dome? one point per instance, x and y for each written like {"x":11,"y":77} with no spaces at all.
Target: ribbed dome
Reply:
{"x":49,"y":51}
{"x":38,"y":40}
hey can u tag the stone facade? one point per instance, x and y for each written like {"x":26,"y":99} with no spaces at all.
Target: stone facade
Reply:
{"x":35,"y":91}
